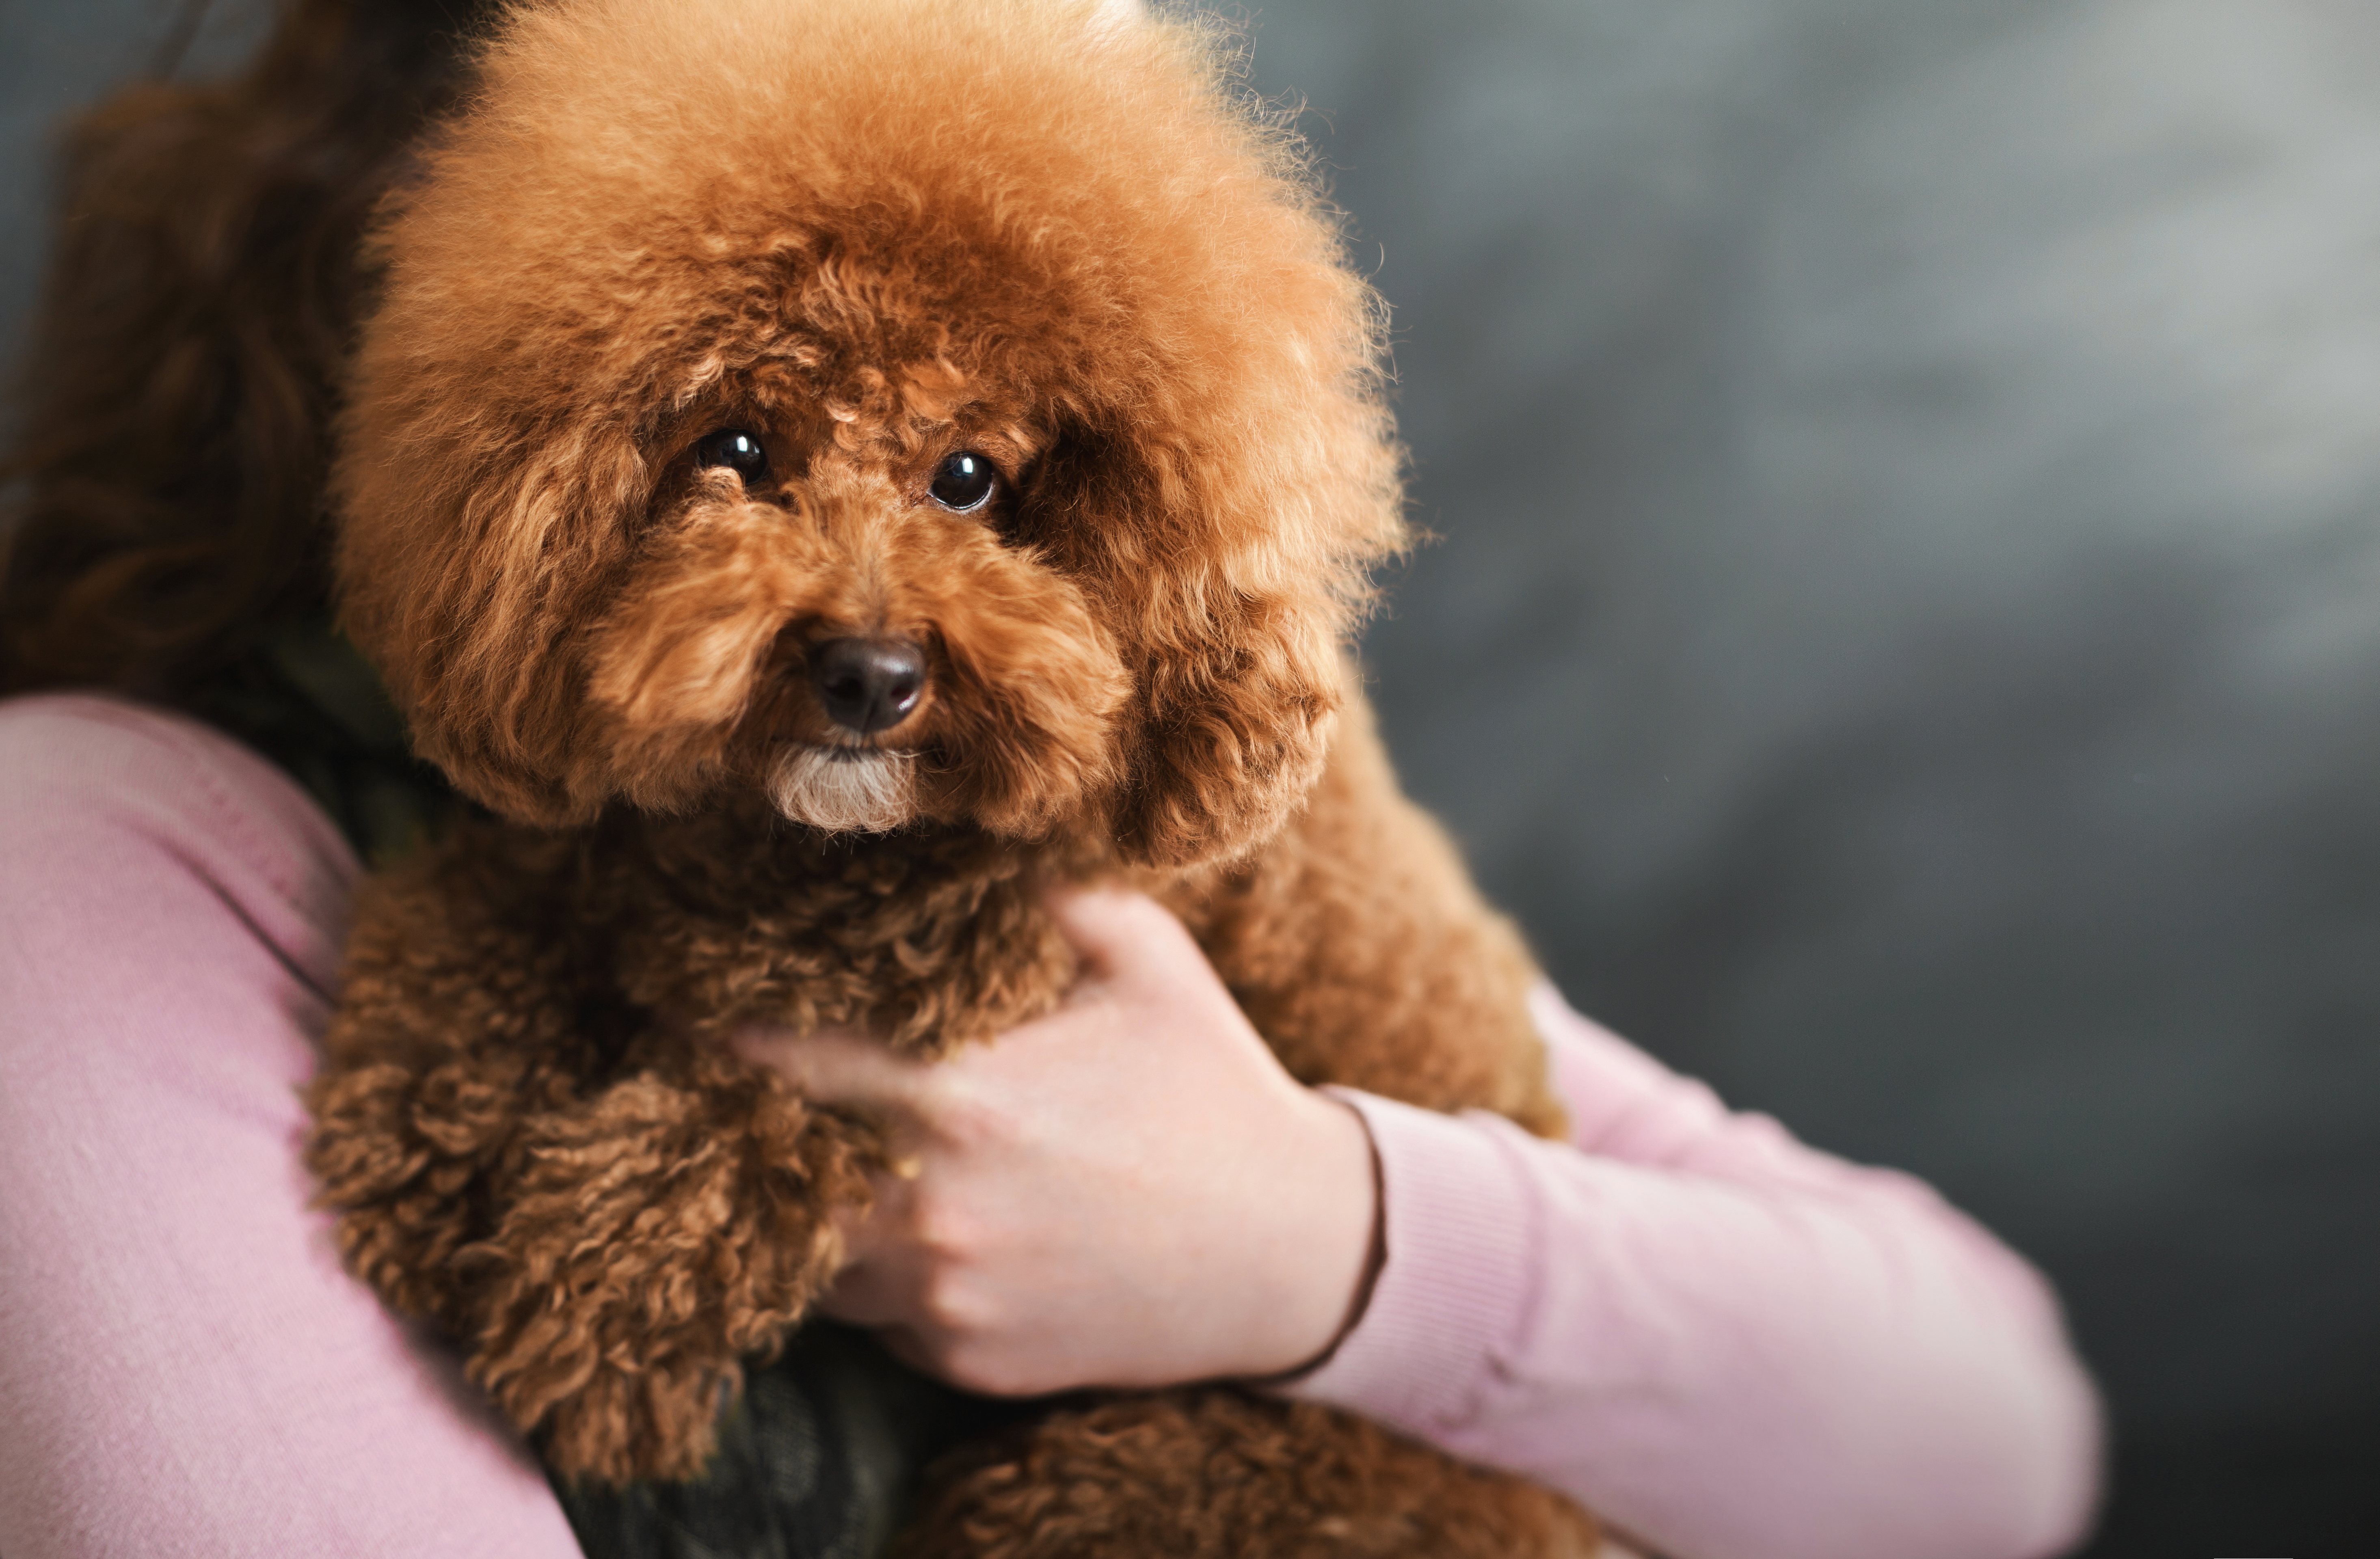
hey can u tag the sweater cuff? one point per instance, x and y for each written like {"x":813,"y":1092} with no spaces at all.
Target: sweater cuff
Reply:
{"x":1458,"y":1226}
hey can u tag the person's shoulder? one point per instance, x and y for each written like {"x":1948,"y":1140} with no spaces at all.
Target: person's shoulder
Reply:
{"x":62,"y":743}
{"x":93,"y":751}
{"x":92,"y":781}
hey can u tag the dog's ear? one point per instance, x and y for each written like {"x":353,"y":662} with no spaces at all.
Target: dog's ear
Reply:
{"x":1233,"y":719}
{"x":1232,"y":587}
{"x":468,"y":554}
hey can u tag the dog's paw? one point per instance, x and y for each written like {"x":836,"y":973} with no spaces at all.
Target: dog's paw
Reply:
{"x":655,"y":1234}
{"x":624,"y":1427}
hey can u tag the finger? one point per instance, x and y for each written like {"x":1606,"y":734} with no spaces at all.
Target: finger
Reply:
{"x":905,"y":1345}
{"x":875,"y":1277}
{"x":833,"y":1068}
{"x":864,"y":1228}
{"x":1112,"y":930}
{"x":875,"y":1292}
{"x":860,"y":1297}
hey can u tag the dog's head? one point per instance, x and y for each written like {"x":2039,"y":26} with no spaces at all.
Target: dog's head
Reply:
{"x":911,"y":410}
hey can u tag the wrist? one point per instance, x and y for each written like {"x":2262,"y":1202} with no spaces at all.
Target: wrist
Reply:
{"x":1335,"y":1260}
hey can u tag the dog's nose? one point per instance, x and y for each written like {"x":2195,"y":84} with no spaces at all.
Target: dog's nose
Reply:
{"x":867,"y":686}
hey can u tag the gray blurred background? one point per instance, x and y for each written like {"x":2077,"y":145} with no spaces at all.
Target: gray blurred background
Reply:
{"x":1905,"y":635}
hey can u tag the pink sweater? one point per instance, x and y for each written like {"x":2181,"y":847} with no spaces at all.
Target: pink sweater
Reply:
{"x":1731,"y":1346}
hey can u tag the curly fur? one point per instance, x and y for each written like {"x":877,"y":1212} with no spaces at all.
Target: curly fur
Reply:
{"x":872,"y":232}
{"x":1288,"y":1482}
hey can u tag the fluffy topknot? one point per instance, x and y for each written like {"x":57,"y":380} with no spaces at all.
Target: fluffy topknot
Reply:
{"x":867,"y":223}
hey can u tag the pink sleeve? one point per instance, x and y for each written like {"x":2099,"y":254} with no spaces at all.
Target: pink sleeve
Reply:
{"x":1727,"y":1344}
{"x":184,"y":1369}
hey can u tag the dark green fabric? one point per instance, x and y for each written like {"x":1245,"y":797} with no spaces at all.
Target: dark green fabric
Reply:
{"x":309,"y":700}
{"x":819,"y":1454}
{"x":817,"y":1460}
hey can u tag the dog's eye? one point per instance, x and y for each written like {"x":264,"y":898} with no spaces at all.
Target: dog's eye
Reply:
{"x":735,"y":449}
{"x":964,"y":481}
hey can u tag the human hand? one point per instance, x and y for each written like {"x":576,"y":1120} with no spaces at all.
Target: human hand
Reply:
{"x":1129,"y":1192}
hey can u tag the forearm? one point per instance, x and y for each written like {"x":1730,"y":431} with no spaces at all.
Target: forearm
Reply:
{"x":184,"y":1369}
{"x":1725,"y":1343}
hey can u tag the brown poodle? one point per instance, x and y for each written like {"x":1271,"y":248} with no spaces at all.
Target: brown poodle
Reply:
{"x":818,"y":473}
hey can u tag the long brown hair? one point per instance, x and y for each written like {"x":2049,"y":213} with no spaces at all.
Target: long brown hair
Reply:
{"x":179,"y":392}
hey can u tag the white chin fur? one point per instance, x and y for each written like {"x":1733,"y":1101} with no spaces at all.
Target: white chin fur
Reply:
{"x":845,"y":790}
